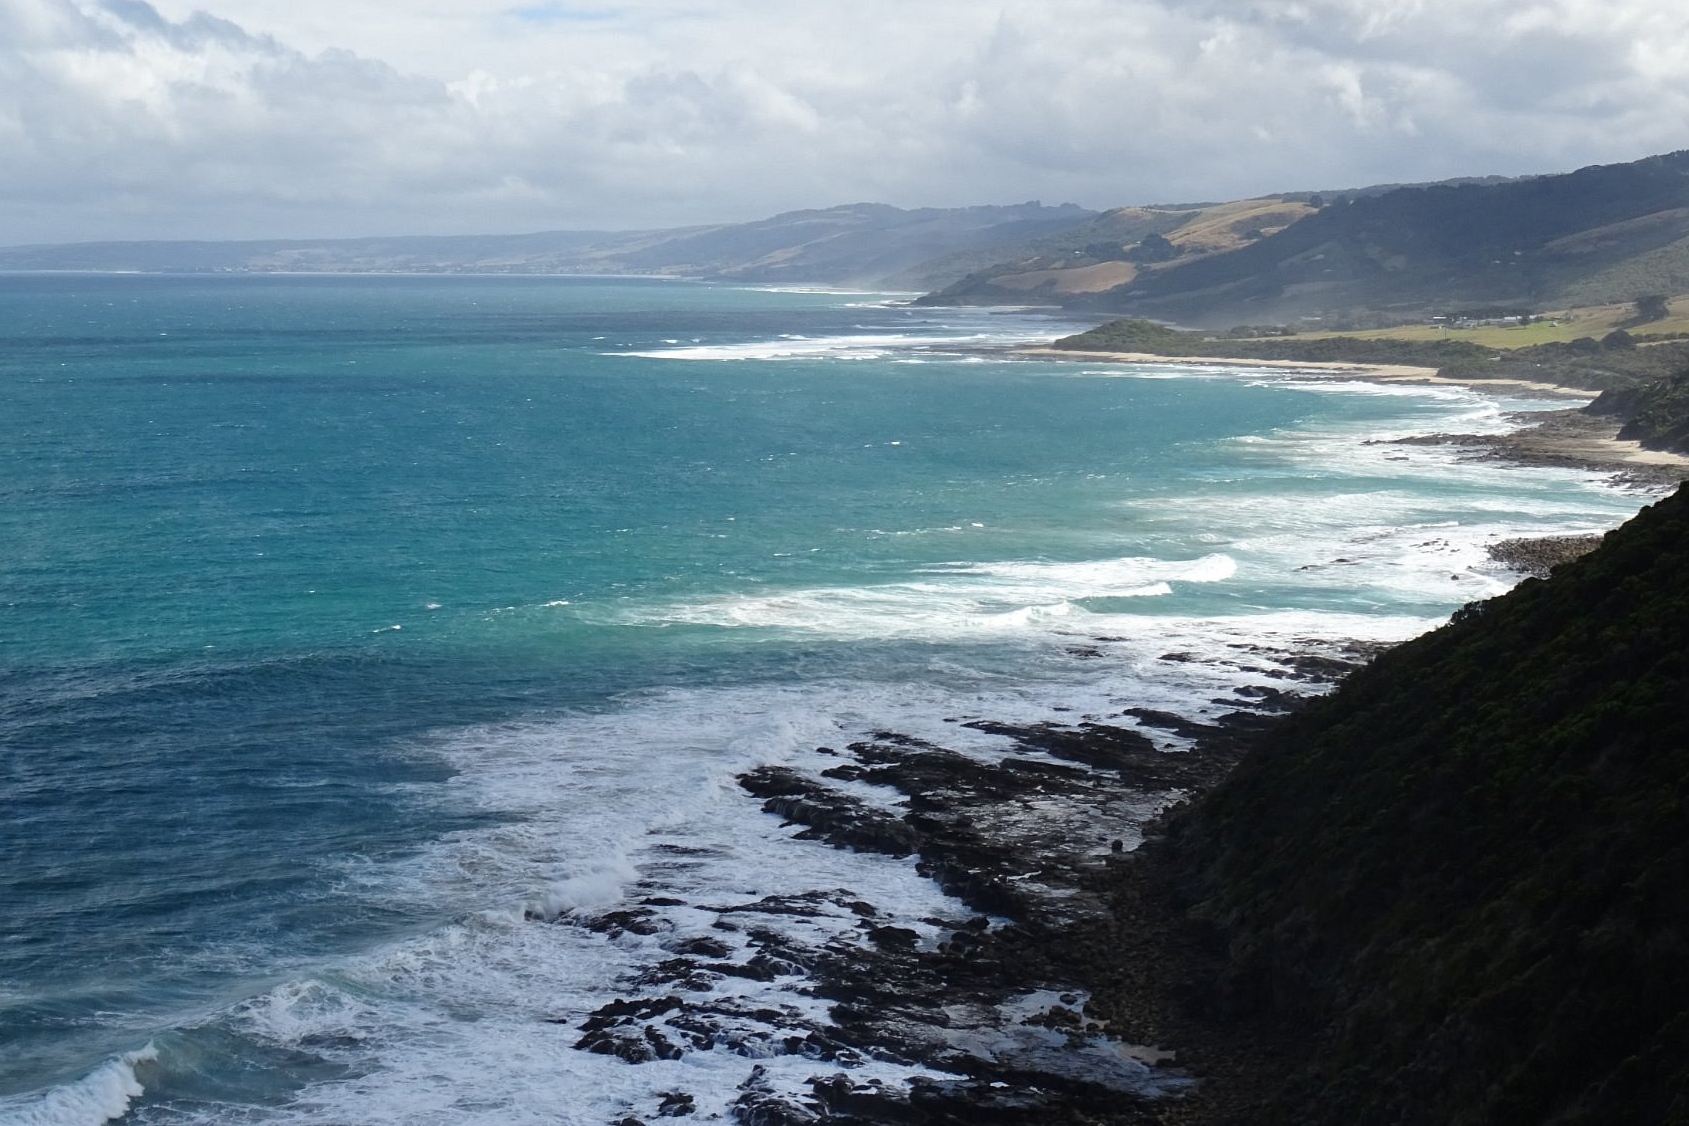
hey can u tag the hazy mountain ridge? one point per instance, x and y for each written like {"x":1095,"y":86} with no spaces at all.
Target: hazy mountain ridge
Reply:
{"x":1384,"y":254}
{"x":857,"y":244}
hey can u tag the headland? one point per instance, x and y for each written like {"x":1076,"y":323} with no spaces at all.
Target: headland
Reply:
{"x":1570,"y":438}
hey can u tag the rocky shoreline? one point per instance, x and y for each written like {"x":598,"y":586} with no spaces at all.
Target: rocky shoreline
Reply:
{"x":1569,"y":439}
{"x":1538,"y":557}
{"x":1060,"y":990}
{"x":1068,"y":984}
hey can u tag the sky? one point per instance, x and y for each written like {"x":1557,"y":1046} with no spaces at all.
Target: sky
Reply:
{"x":330,"y":118}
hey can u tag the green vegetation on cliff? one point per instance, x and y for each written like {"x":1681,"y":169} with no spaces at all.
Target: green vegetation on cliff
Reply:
{"x":1133,"y":335}
{"x":1645,"y":386}
{"x":1467,"y":870}
{"x":1656,"y":414}
{"x":1590,"y":365}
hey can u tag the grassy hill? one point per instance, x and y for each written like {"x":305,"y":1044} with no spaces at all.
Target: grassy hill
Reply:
{"x":1601,"y":234}
{"x":1117,"y":248}
{"x":1466,"y":873}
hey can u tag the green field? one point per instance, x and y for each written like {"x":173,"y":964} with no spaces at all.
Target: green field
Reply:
{"x":1558,"y":327}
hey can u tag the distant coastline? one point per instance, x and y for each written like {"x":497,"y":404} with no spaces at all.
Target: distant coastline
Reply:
{"x":1569,"y":438}
{"x":1394,"y":373}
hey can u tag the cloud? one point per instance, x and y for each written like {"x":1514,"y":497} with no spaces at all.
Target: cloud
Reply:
{"x":562,"y":13}
{"x":300,"y":117}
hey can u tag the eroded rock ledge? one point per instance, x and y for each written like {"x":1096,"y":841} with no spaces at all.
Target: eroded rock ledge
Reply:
{"x":1059,"y":989}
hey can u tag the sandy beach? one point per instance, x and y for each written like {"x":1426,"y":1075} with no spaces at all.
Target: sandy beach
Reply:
{"x":1562,"y":438}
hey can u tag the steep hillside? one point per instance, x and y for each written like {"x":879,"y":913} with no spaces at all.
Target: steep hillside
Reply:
{"x":1119,"y":247}
{"x":1519,"y":243}
{"x":1467,"y":870}
{"x":861,"y":244}
{"x":1655,"y":414}
{"x":1600,"y":234}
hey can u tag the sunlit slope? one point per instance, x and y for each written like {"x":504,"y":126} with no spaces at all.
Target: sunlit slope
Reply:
{"x":1598,"y":235}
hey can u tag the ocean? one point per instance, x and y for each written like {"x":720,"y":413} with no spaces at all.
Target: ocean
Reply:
{"x":364,"y":638}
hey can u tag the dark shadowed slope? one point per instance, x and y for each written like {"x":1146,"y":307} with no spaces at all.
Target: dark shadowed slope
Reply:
{"x":1468,"y":869}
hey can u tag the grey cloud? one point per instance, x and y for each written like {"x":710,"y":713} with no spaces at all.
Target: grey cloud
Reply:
{"x":120,"y":121}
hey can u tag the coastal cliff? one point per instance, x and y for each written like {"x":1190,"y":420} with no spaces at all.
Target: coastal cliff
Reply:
{"x":1453,"y":891}
{"x":1464,"y":876}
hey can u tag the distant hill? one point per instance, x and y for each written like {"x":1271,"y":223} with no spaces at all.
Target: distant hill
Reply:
{"x":869,"y":245}
{"x":1600,"y":234}
{"x":1371,"y":256}
{"x":1466,"y":872}
{"x":1118,"y":248}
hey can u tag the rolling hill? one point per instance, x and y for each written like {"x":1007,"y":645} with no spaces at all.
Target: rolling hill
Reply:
{"x":870,"y":245}
{"x":1600,"y":234}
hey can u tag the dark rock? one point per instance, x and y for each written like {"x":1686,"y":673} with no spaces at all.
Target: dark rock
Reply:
{"x":634,"y":920}
{"x":661,"y":1046}
{"x":1265,"y":698}
{"x":807,"y":904}
{"x":1024,"y":838}
{"x":682,"y":972}
{"x":898,"y":937}
{"x":1108,"y":748}
{"x":704,"y":947}
{"x":623,"y":1043}
{"x":845,"y":1100}
{"x":758,"y":1105}
{"x":1539,"y":556}
{"x":621,"y":1010}
{"x":677,"y":1104}
{"x":837,"y":818}
{"x":1177,"y":724}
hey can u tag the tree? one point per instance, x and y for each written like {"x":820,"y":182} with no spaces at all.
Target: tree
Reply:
{"x":1154,"y":248}
{"x":1651,"y":307}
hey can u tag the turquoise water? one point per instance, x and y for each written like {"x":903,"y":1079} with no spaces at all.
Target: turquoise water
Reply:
{"x":347,"y":622}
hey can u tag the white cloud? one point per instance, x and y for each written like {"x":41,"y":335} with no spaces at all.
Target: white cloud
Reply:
{"x":281,"y":117}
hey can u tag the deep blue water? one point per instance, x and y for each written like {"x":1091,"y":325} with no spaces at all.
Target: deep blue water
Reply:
{"x":335,"y":612}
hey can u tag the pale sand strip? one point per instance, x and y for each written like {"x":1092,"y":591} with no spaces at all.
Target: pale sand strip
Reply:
{"x":1596,"y":443}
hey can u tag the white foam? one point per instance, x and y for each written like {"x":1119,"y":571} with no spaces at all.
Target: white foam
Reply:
{"x":101,"y":1096}
{"x":856,"y":346}
{"x":664,"y":815}
{"x":953,"y":601}
{"x":476,"y":1021}
{"x":963,"y":332}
